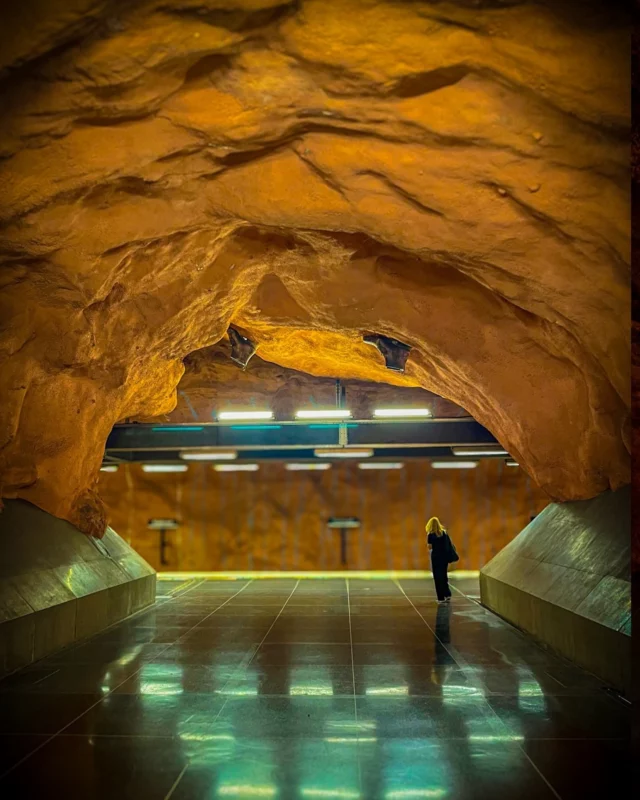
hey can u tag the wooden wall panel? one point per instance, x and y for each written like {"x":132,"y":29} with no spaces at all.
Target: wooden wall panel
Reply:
{"x":276,"y":520}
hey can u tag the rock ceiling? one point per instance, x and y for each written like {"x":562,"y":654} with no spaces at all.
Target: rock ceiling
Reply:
{"x":452,"y":174}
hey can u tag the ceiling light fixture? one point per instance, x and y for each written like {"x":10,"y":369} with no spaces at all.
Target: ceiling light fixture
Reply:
{"x":332,"y":413}
{"x":228,"y":416}
{"x":109,"y":468}
{"x":209,"y":455}
{"x":342,"y":452}
{"x":484,"y":450}
{"x":242,"y":349}
{"x":304,"y":467}
{"x":512,"y":463}
{"x":381,"y":465}
{"x":236,"y":467}
{"x":395,"y":353}
{"x":402,"y":412}
{"x":454,"y":464}
{"x":164,"y":467}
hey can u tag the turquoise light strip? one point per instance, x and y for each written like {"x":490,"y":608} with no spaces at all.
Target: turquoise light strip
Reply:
{"x":176,"y":429}
{"x":333,"y":425}
{"x":255,"y":427}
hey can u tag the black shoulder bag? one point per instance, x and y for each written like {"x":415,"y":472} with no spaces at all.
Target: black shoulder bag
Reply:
{"x":452,"y":553}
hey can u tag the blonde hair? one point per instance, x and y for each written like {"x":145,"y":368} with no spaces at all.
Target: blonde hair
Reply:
{"x":434,"y":526}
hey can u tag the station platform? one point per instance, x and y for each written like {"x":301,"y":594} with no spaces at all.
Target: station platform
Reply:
{"x":346,"y":688}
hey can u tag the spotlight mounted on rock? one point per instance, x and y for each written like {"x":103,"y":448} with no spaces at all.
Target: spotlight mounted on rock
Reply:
{"x":395,"y":353}
{"x":241,"y":348}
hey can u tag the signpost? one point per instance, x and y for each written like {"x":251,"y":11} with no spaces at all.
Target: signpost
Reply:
{"x":343,"y":524}
{"x":163,"y":525}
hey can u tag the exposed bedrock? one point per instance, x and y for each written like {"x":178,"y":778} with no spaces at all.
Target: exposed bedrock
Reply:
{"x":454,"y":175}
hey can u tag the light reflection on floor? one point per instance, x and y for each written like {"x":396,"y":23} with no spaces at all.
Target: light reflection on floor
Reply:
{"x":292,"y":688}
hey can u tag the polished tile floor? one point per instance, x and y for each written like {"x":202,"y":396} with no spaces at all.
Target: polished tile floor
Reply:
{"x":327,"y":689}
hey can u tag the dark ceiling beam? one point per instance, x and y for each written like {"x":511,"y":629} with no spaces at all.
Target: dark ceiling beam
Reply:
{"x":298,"y":436}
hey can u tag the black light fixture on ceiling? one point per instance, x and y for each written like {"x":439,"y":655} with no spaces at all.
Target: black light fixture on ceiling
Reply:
{"x":395,"y":353}
{"x":241,"y":348}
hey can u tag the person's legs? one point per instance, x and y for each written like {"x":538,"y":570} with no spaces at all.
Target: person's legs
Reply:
{"x":445,"y":582}
{"x":439,"y":578}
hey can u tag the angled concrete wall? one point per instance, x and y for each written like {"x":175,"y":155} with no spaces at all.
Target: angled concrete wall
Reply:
{"x":566,"y":580}
{"x":58,"y":585}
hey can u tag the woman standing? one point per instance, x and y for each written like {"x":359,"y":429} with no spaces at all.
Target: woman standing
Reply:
{"x":440,"y":549}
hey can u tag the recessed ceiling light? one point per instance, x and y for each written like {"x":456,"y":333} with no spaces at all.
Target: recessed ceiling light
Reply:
{"x":485,"y":450}
{"x":109,"y":468}
{"x":303,"y":467}
{"x":248,"y":415}
{"x":236,"y":467}
{"x":164,"y":467}
{"x":454,"y":464}
{"x":342,"y":452}
{"x":209,"y":455}
{"x":512,"y":463}
{"x":317,"y":413}
{"x":381,"y":465}
{"x":402,"y":412}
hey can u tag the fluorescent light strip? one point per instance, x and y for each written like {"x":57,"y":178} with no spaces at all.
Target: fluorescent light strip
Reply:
{"x":332,"y":413}
{"x":109,"y":468}
{"x":164,"y":467}
{"x":209,"y":455}
{"x":478,"y":451}
{"x":236,"y":467}
{"x":342,"y":453}
{"x":402,"y":412}
{"x":381,"y":465}
{"x":249,"y":415}
{"x":454,"y":464}
{"x":303,"y":467}
{"x":512,"y":463}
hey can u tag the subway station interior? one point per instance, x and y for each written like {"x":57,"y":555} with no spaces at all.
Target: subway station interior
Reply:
{"x":282,"y":281}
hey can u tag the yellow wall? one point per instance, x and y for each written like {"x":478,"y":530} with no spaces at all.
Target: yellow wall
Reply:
{"x":275,"y":519}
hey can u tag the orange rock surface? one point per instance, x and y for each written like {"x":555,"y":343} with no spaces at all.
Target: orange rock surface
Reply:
{"x":276,"y":520}
{"x":452,"y":174}
{"x":212,"y":382}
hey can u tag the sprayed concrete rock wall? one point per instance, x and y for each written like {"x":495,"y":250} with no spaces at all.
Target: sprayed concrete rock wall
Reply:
{"x":275,"y":519}
{"x":212,"y":382}
{"x":452,"y":174}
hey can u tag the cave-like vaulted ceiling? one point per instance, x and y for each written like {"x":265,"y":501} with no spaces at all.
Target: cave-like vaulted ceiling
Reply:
{"x":452,"y":174}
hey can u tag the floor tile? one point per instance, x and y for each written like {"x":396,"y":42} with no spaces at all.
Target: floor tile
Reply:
{"x":562,"y":717}
{"x":168,"y":713}
{"x":97,"y":767}
{"x":583,"y":770}
{"x":14,"y":748}
{"x":289,"y":717}
{"x":401,"y":769}
{"x":41,"y":713}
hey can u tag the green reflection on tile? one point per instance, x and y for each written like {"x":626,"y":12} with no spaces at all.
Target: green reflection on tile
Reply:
{"x":162,"y":680}
{"x":246,"y":790}
{"x":534,"y":704}
{"x":414,"y":769}
{"x":329,"y":794}
{"x":129,"y":656}
{"x":387,"y":691}
{"x":318,"y":688}
{"x":350,"y":739}
{"x":530,"y":689}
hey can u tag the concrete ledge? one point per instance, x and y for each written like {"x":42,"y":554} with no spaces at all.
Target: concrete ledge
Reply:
{"x":58,"y":586}
{"x":565,"y":579}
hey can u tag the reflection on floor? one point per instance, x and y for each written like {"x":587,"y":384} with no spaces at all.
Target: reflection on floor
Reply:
{"x":310,"y":689}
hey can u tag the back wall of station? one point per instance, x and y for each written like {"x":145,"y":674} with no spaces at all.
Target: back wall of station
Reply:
{"x":275,"y":519}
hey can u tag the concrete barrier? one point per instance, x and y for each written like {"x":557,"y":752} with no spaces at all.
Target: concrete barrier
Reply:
{"x":566,"y":580}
